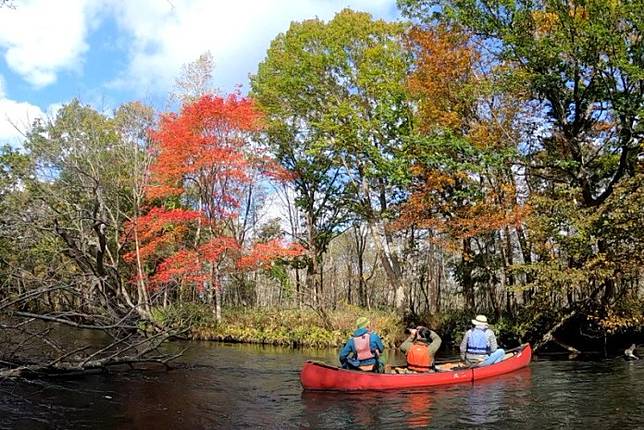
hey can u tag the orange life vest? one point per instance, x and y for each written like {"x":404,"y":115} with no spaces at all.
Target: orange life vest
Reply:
{"x":418,"y":357}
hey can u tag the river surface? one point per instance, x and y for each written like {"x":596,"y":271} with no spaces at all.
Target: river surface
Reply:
{"x":249,"y":386}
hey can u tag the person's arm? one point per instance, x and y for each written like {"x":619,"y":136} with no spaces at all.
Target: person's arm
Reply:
{"x":436,"y":342}
{"x":378,"y":343}
{"x":407,"y":343}
{"x":346,"y":350}
{"x":491,"y":338}
{"x":464,"y":344}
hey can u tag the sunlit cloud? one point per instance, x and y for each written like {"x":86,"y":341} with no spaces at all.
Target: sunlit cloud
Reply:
{"x":166,"y":35}
{"x":39,"y":38}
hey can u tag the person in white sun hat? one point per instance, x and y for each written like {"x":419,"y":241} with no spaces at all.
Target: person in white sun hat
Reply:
{"x":479,"y":344}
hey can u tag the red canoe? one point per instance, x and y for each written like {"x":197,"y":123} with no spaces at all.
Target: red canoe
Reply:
{"x":320,"y":376}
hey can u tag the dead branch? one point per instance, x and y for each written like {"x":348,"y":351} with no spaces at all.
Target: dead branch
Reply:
{"x":68,"y":354}
{"x":74,"y":366}
{"x":565,"y":346}
{"x":108,"y":347}
{"x":31,"y":294}
{"x":118,"y":325}
{"x":32,"y":346}
{"x":549,"y":335}
{"x":120,"y":352}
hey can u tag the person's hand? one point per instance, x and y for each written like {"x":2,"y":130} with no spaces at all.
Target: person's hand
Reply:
{"x":412,"y":331}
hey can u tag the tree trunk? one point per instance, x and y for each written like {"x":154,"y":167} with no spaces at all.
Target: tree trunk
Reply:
{"x":527,"y":259}
{"x":361,"y":242}
{"x":313,"y":263}
{"x":298,"y":288}
{"x":508,"y":261}
{"x":468,"y":283}
{"x":218,"y":304}
{"x":388,"y":258}
{"x":439,"y":283}
{"x":350,"y":279}
{"x":433,"y":276}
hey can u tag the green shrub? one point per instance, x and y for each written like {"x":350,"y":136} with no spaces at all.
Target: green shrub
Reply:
{"x":294,"y":327}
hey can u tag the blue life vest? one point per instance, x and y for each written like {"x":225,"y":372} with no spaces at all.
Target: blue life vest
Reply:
{"x":477,"y":342}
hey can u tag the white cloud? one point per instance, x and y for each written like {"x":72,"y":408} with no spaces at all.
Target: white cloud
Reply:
{"x":41,"y":37}
{"x":15,"y":118}
{"x":166,"y":35}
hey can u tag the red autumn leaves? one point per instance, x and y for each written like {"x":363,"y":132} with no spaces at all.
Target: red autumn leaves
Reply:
{"x":205,"y":161}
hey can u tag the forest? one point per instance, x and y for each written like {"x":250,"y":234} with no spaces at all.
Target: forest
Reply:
{"x":473,"y":157}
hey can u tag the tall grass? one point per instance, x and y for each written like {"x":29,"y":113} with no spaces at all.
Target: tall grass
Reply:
{"x":294,"y":327}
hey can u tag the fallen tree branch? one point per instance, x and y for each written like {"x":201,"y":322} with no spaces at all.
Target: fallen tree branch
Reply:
{"x":565,"y":346}
{"x":31,"y":294}
{"x":549,"y":335}
{"x":72,"y":323}
{"x":115,"y":354}
{"x":68,"y":354}
{"x":102,"y":350}
{"x":42,"y":336}
{"x":74,"y":366}
{"x":31,"y":346}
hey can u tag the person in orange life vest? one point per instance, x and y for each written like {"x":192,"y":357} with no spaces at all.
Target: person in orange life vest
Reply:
{"x":421,"y":347}
{"x":479,"y":345}
{"x":362,"y":350}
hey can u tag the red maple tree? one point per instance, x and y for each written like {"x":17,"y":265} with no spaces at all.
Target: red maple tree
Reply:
{"x":205,"y":157}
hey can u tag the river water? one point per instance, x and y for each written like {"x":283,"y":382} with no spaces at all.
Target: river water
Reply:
{"x":249,"y":386}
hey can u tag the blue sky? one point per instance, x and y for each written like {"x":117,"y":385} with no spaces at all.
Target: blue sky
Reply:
{"x":107,"y":52}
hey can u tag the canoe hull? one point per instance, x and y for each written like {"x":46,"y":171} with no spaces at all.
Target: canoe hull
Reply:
{"x":318,"y":376}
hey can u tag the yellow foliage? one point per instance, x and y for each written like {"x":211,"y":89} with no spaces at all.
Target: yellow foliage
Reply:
{"x":545,"y":22}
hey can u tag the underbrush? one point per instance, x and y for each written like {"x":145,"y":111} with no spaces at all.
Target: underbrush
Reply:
{"x":289,"y":327}
{"x":315,"y":328}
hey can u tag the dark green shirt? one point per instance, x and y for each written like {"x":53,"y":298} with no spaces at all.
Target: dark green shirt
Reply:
{"x":433,"y":347}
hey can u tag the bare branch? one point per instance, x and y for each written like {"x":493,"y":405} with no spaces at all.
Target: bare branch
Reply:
{"x":72,"y":323}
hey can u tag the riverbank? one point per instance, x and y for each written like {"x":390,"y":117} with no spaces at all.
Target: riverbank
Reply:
{"x":288,"y":327}
{"x":318,"y":328}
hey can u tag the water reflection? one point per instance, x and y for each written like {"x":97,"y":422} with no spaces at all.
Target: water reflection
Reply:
{"x":482,"y":403}
{"x":488,"y":400}
{"x":418,"y":409}
{"x":372,"y":409}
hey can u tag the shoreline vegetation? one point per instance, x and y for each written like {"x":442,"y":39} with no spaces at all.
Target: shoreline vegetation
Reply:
{"x":309,"y":327}
{"x":291,"y":327}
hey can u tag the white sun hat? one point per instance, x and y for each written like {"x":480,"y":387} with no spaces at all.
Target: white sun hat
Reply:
{"x":480,"y":320}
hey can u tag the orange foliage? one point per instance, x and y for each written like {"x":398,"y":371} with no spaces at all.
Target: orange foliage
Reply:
{"x":433,"y":207}
{"x":460,"y":202}
{"x":263,"y":254}
{"x":187,"y":265}
{"x":157,"y":228}
{"x":215,"y":248}
{"x":205,"y":145}
{"x":184,"y":265}
{"x":204,"y":153}
{"x":443,"y":77}
{"x":273,"y":170}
